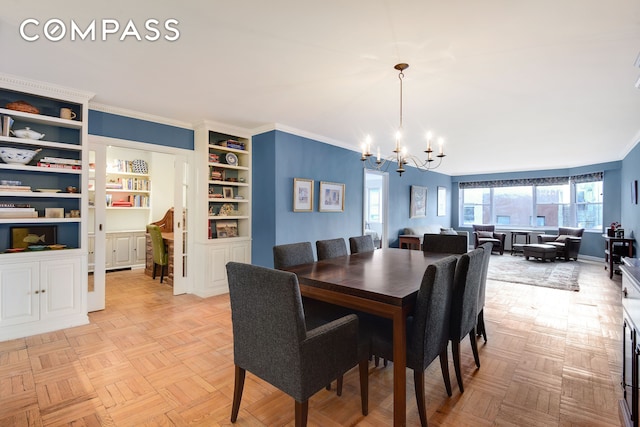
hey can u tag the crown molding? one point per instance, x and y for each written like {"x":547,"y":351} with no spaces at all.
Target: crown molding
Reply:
{"x":224,"y":128}
{"x":139,"y":115}
{"x":41,"y":88}
{"x":303,"y":134}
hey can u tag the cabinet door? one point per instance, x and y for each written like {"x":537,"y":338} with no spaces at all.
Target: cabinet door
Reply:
{"x":60,"y":287}
{"x":19,"y":293}
{"x":239,"y":252}
{"x":122,"y":250}
{"x":108,"y":251}
{"x":217,"y":261}
{"x":139,"y":248}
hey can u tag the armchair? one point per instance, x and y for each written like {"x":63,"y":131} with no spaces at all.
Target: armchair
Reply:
{"x":487,"y":234}
{"x":567,"y":242}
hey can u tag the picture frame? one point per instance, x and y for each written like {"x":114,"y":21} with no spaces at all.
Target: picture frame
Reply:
{"x":418,"y":202}
{"x":226,"y":229}
{"x":634,"y":192}
{"x":442,"y":201}
{"x":302,"y":195}
{"x":36,"y":235}
{"x":227,"y":192}
{"x":54,"y":212}
{"x":331,"y":197}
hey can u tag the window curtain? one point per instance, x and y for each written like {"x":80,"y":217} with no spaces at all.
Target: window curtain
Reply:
{"x":556,"y":180}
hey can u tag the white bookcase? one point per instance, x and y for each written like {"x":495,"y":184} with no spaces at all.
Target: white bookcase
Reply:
{"x":223,"y":229}
{"x":43,"y":258}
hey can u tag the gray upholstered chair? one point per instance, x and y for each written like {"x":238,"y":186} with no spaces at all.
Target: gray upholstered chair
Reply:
{"x":464,"y":308}
{"x":486,"y":257}
{"x":292,"y":254}
{"x":487,"y":233}
{"x":445,"y":243}
{"x":271,"y":340}
{"x":361,"y":244}
{"x":567,"y":242}
{"x":331,"y":248}
{"x":427,"y":328}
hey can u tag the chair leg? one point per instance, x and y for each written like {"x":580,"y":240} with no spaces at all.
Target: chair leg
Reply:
{"x":481,"y":329}
{"x":302,"y":409}
{"x":364,"y":385}
{"x":455,"y":349}
{"x":418,"y":381}
{"x":474,"y":346}
{"x":237,"y":392}
{"x":161,"y":272}
{"x":339,"y":386}
{"x":444,"y":367}
{"x":154,"y":270}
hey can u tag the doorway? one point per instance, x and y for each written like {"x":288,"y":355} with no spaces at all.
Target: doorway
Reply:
{"x":123,"y":199}
{"x":376,"y":207}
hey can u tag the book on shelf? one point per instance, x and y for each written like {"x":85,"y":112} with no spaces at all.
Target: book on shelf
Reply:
{"x":58,"y":166}
{"x":13,"y":209}
{"x":14,"y":205}
{"x":231,"y":143}
{"x":60,"y":160}
{"x":15,"y":188}
{"x":5,"y":125}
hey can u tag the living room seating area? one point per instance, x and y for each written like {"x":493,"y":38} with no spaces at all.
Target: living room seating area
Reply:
{"x":567,"y":242}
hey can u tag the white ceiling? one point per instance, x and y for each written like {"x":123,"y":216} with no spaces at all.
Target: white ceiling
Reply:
{"x":511,"y":85}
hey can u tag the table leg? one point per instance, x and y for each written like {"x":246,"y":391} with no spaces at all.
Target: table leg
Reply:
{"x":399,"y":368}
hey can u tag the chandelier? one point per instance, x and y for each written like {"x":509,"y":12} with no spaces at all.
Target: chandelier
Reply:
{"x":400,"y":155}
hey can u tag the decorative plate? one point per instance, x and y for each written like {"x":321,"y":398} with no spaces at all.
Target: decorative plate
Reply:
{"x":37,"y":247}
{"x":232,"y":159}
{"x":57,"y":246}
{"x":10,"y":250}
{"x":48,"y":190}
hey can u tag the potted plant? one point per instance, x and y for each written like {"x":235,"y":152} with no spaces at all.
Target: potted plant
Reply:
{"x":615,"y":229}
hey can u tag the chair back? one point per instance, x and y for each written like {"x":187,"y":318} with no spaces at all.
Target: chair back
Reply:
{"x":157,"y":245}
{"x":486,"y":257}
{"x":331,"y":248}
{"x":429,"y":326}
{"x":361,"y":244}
{"x":484,"y":227}
{"x":570,"y":231}
{"x":268,"y":323}
{"x":445,"y":243}
{"x":464,"y":308}
{"x":292,"y":254}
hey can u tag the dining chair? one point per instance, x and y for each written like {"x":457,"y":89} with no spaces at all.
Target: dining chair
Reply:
{"x":486,"y":257}
{"x":331,"y":248}
{"x":291,"y":254}
{"x":464,"y":307}
{"x":271,"y":340}
{"x":427,"y":328}
{"x":159,"y":250}
{"x":359,"y":244}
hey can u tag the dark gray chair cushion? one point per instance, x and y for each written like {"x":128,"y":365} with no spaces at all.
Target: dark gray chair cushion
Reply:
{"x":361,"y":244}
{"x":331,"y":248}
{"x":292,"y":254}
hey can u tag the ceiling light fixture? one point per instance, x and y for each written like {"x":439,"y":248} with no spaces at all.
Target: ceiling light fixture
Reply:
{"x":400,"y":155}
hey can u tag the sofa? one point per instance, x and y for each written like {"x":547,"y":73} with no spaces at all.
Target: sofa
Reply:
{"x":567,"y":242}
{"x":435,"y":238}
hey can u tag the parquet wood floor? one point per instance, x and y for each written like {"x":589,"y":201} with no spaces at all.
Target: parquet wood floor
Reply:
{"x":553,"y":359}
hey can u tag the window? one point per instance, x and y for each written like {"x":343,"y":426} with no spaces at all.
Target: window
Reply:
{"x":543,"y":202}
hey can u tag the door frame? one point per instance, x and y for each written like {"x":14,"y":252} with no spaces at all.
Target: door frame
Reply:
{"x":182,"y":157}
{"x":384,"y":208}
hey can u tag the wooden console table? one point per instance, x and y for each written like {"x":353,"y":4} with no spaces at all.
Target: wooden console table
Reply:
{"x":409,"y":241}
{"x":610,"y":253}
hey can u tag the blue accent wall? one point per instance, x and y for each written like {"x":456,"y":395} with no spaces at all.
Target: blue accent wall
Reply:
{"x":630,"y":212}
{"x":592,"y":242}
{"x":278,"y":157}
{"x":122,"y":127}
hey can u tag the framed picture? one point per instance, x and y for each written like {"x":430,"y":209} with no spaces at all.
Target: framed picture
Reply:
{"x":22,"y":237}
{"x":302,"y":195}
{"x":418,"y":201}
{"x":634,"y":192}
{"x":227,"y":192}
{"x":442,"y":201}
{"x":226,"y":229}
{"x":331,"y":197}
{"x":54,"y":212}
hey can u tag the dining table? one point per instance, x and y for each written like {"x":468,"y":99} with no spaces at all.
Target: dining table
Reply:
{"x":384,"y":282}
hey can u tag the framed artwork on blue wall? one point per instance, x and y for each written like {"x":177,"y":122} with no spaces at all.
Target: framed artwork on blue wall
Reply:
{"x":418,"y":202}
{"x":331,"y":197}
{"x":302,"y":195}
{"x":634,"y":192}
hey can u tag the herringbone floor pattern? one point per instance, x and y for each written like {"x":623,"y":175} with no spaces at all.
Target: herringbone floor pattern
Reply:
{"x":553,"y":359}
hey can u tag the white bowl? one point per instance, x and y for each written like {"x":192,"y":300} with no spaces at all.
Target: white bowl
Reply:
{"x":19,"y":156}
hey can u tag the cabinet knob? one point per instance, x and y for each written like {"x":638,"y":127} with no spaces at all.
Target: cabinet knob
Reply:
{"x":625,"y":293}
{"x":37,"y":292}
{"x":43,"y":291}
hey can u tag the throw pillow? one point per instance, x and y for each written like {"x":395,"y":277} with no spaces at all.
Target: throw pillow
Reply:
{"x":449,"y":231}
{"x":562,"y":238}
{"x":485,"y":234}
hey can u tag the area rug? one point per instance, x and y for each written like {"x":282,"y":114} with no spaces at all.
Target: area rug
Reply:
{"x":516,"y":269}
